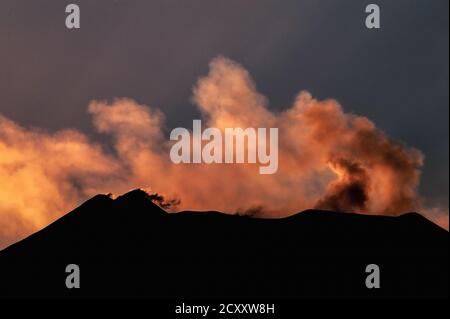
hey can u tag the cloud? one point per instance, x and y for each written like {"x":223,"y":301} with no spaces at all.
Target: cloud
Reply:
{"x":42,"y":175}
{"x":327,"y":159}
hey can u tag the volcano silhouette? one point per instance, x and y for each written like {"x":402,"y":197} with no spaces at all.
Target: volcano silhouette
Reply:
{"x":130,"y":247}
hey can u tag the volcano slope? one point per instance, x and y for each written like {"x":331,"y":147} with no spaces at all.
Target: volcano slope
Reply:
{"x":130,"y":247}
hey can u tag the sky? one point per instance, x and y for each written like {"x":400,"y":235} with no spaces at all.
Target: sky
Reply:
{"x":155,"y":51}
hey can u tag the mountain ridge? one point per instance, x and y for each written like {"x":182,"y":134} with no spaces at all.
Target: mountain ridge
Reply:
{"x":311,"y":253}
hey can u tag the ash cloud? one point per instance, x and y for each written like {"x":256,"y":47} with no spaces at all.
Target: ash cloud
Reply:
{"x":327,"y":159}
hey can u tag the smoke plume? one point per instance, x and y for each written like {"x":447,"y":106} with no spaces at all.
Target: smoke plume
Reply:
{"x":327,"y":159}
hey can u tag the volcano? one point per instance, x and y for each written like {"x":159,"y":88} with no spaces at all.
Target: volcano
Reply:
{"x":130,"y":247}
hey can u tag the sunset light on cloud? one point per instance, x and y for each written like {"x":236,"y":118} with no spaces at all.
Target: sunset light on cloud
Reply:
{"x":328,"y":159}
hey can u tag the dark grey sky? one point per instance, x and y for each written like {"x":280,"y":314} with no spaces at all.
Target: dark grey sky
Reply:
{"x":154,"y":51}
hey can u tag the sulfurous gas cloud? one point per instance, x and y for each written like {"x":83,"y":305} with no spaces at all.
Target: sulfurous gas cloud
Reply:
{"x":328,"y":159}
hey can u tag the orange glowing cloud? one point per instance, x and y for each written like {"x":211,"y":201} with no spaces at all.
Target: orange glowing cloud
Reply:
{"x":327,"y":159}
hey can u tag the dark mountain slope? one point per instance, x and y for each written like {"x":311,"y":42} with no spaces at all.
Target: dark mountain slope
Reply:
{"x":130,"y":247}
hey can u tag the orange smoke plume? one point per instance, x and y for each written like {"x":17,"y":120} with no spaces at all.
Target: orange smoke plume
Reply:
{"x":327,"y":159}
